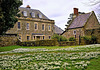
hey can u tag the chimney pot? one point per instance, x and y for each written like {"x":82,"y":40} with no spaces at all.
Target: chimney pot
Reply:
{"x":76,"y":11}
{"x":28,"y":6}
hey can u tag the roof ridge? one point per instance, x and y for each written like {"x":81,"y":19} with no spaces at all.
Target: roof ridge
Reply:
{"x":29,"y":8}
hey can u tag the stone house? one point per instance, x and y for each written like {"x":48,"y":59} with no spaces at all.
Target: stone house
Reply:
{"x":32,"y":25}
{"x":80,"y":23}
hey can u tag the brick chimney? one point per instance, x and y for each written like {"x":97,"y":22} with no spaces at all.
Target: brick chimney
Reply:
{"x":28,"y":6}
{"x":76,"y":11}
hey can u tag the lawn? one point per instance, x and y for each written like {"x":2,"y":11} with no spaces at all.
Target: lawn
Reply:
{"x":50,"y":58}
{"x":8,"y":48}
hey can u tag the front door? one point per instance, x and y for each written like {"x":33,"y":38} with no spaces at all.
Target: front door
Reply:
{"x":38,"y":37}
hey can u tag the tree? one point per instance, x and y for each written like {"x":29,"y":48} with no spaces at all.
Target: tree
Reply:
{"x":8,"y":14}
{"x":96,"y":5}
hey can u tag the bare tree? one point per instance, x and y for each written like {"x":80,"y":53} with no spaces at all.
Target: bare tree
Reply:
{"x":96,"y":5}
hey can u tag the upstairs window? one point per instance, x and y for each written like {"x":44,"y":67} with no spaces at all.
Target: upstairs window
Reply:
{"x":49,"y":28}
{"x":25,"y":13}
{"x":18,"y":25}
{"x":36,"y":26}
{"x":27,"y":26}
{"x":43,"y":27}
{"x":33,"y":14}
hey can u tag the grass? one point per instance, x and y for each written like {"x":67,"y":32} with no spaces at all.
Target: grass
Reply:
{"x":8,"y":48}
{"x":94,"y":64}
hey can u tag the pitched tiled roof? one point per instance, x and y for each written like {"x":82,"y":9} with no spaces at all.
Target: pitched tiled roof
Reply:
{"x":58,"y":30}
{"x":29,"y":11}
{"x":79,"y":21}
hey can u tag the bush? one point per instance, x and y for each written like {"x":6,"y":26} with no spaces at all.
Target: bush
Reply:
{"x":93,"y":39}
{"x":87,"y":39}
{"x":90,"y":39}
{"x":72,"y":39}
{"x":59,"y":38}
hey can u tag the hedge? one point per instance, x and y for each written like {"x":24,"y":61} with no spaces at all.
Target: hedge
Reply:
{"x":67,"y":43}
{"x":39,"y":43}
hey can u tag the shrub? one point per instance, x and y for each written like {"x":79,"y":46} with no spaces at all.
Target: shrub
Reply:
{"x":59,"y":38}
{"x":90,"y":39}
{"x":87,"y":39}
{"x":72,"y":39}
{"x":93,"y":39}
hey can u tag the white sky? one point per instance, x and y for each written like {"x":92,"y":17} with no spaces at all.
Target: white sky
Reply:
{"x":59,"y":10}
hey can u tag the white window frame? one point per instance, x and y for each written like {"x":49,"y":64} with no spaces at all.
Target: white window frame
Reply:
{"x":25,"y":13}
{"x":40,"y":15}
{"x":33,"y":14}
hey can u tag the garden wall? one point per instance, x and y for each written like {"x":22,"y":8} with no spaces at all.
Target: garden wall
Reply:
{"x":8,"y":40}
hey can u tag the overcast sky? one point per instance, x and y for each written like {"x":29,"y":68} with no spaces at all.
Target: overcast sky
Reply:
{"x":59,"y":10}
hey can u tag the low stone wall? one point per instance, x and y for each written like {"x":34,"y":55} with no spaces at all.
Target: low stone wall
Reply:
{"x":7,"y":40}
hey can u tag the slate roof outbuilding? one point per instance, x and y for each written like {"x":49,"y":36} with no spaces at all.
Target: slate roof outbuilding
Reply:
{"x":79,"y":21}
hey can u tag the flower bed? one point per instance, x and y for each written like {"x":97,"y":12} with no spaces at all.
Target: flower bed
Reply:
{"x":50,"y":59}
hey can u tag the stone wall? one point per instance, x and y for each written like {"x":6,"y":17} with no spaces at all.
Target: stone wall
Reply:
{"x":7,"y":40}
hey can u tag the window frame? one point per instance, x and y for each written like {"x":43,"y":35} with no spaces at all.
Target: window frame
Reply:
{"x":25,"y":13}
{"x":32,"y":14}
{"x":37,"y":26}
{"x":27,"y":38}
{"x":74,"y":32}
{"x":18,"y":27}
{"x":28,"y":26}
{"x":49,"y":37}
{"x":49,"y":28}
{"x":42,"y":27}
{"x":43,"y":37}
{"x":40,"y":15}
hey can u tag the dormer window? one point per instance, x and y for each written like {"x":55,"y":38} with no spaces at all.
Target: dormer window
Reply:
{"x":33,"y":14}
{"x":39,"y":15}
{"x":25,"y":13}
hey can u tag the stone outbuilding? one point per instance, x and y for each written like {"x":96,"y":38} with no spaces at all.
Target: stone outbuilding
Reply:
{"x":80,"y":23}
